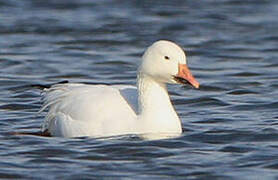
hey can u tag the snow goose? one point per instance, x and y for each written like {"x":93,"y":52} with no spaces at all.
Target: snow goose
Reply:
{"x":77,"y":109}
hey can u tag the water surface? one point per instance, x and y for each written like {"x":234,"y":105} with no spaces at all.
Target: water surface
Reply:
{"x":230,"y":123}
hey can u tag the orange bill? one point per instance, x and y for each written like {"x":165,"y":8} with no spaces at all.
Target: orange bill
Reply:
{"x":185,"y":74}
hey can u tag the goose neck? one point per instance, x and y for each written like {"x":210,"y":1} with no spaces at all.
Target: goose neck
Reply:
{"x":151,"y":93}
{"x":155,"y":108}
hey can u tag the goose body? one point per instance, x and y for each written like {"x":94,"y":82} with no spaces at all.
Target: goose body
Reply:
{"x":100,"y":110}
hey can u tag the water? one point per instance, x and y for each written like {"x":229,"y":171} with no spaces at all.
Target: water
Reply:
{"x":230,"y":123}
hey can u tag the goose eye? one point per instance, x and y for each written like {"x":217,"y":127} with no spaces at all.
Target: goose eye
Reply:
{"x":166,"y":57}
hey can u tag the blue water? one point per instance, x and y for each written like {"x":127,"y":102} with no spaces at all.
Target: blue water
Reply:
{"x":230,"y":123}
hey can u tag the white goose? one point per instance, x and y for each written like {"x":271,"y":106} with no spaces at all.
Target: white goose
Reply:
{"x":99,"y":110}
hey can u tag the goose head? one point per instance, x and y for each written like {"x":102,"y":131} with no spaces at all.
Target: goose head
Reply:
{"x":165,"y":62}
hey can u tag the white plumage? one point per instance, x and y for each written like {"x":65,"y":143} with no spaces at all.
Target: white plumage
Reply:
{"x":99,"y":110}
